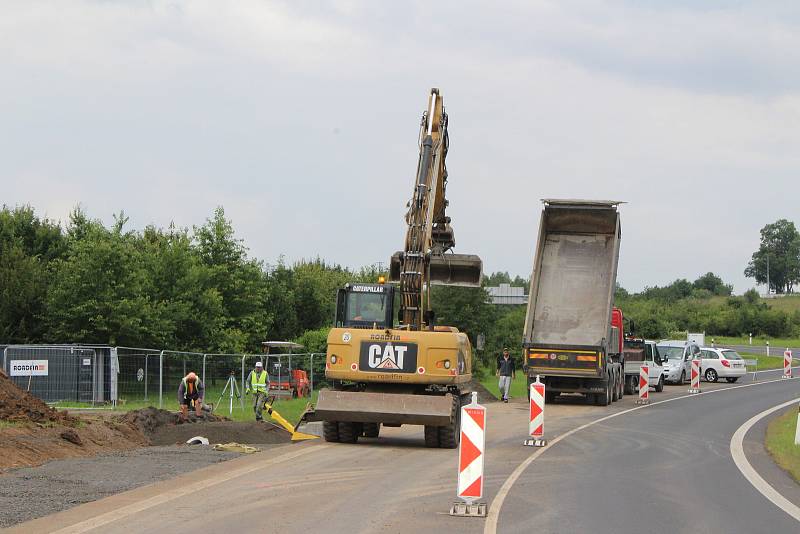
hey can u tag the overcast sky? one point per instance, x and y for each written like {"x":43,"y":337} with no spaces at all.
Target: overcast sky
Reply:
{"x":301,"y":120}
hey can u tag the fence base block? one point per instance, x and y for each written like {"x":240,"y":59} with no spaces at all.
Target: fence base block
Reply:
{"x":462,"y":509}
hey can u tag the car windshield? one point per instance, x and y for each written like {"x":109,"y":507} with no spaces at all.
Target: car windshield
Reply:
{"x":670,"y":353}
{"x":731,"y":355}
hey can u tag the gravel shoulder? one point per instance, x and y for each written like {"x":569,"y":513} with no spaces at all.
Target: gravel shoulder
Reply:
{"x":32,"y":492}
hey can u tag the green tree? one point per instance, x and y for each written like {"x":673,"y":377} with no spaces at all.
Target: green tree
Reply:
{"x":27,"y":245}
{"x":713,"y":284}
{"x":780,"y":250}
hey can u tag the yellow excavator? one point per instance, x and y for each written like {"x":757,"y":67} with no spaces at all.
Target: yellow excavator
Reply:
{"x":413,"y":371}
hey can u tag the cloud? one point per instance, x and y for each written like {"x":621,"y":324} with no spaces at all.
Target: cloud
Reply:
{"x":301,"y":119}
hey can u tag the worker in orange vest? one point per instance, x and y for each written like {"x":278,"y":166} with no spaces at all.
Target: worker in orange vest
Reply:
{"x":191,"y":389}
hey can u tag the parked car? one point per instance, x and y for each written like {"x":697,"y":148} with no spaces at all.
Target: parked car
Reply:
{"x":721,"y":363}
{"x":639,"y":351}
{"x":677,"y":356}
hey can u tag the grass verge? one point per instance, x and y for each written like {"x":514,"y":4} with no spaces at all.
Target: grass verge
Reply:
{"x":775,"y":343}
{"x":779,"y":442}
{"x":519,"y":386}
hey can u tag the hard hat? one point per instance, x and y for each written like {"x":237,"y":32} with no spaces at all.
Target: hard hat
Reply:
{"x":191,"y":377}
{"x":259,"y":364}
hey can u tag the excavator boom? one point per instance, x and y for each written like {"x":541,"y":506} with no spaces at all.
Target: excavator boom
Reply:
{"x":426,"y":258}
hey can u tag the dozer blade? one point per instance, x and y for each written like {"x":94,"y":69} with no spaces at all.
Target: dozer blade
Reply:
{"x":391,"y":408}
{"x":296,"y":436}
{"x":445,"y":269}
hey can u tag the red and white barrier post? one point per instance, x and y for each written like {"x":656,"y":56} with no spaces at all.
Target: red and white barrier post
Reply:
{"x":470,"y":460}
{"x":644,"y":385}
{"x":787,"y":364}
{"x":694,"y":386}
{"x":536,"y":420}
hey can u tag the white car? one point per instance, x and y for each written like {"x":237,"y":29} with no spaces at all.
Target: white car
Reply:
{"x":721,"y":363}
{"x":677,"y":357}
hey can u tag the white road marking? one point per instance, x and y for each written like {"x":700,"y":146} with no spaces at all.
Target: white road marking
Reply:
{"x":134,"y":508}
{"x":737,"y":451}
{"x":493,"y":516}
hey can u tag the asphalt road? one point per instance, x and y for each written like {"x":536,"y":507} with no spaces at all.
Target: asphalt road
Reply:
{"x":665,"y":467}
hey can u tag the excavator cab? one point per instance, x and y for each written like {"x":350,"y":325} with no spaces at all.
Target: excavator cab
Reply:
{"x":365,"y":306}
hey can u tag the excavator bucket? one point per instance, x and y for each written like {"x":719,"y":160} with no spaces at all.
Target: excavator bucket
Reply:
{"x":445,"y":269}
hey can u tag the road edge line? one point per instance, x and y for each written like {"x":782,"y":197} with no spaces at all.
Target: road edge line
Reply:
{"x":747,"y":470}
{"x":492,"y":517}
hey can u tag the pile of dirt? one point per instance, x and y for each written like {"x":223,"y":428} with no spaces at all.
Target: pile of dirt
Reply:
{"x":149,"y":420}
{"x":18,"y":405}
{"x":166,"y":428}
{"x":33,"y":444}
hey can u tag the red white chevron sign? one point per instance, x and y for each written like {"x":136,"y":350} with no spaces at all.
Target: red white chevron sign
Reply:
{"x":644,"y":384}
{"x":536,"y":425}
{"x":470,"y":452}
{"x":787,"y":364}
{"x":694,"y":387}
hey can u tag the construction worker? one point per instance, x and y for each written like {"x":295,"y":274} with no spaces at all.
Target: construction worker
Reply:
{"x":191,"y":389}
{"x":257,"y":382}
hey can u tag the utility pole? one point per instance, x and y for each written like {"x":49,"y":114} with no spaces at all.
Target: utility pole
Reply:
{"x":768,"y":273}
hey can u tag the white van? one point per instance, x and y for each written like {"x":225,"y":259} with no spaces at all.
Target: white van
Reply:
{"x":637,"y":352}
{"x":677,"y":356}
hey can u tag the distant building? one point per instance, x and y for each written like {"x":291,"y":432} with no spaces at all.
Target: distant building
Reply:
{"x":507,"y":295}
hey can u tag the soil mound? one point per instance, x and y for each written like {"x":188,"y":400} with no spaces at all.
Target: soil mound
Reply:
{"x":149,"y":420}
{"x":163,"y":427}
{"x":20,"y":406}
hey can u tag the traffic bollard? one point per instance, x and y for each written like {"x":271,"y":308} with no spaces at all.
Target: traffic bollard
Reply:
{"x":787,"y":364}
{"x":644,"y":385}
{"x":694,"y":387}
{"x":470,"y":461}
{"x":536,"y":419}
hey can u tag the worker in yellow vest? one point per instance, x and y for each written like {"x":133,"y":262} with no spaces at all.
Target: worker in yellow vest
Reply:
{"x":258,"y":383}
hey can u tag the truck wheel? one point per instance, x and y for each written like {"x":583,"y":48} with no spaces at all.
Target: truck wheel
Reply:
{"x":294,"y":393}
{"x":614,"y":390}
{"x":431,"y":436}
{"x":621,"y":385}
{"x":630,"y":384}
{"x":660,"y":386}
{"x":347,"y":432}
{"x":450,"y":435}
{"x":603,"y":399}
{"x":371,"y":430}
{"x":330,"y":431}
{"x":549,"y":396}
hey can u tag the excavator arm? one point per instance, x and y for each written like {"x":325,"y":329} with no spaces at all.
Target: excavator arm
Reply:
{"x":426,"y":258}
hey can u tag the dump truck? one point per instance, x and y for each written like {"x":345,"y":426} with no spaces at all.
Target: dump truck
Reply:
{"x":415,"y":371}
{"x":573,"y":334}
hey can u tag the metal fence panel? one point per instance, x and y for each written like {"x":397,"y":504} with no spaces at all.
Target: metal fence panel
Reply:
{"x":136,"y":377}
{"x":54,"y":373}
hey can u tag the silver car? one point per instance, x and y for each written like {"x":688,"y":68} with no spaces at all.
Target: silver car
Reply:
{"x":678,"y":356}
